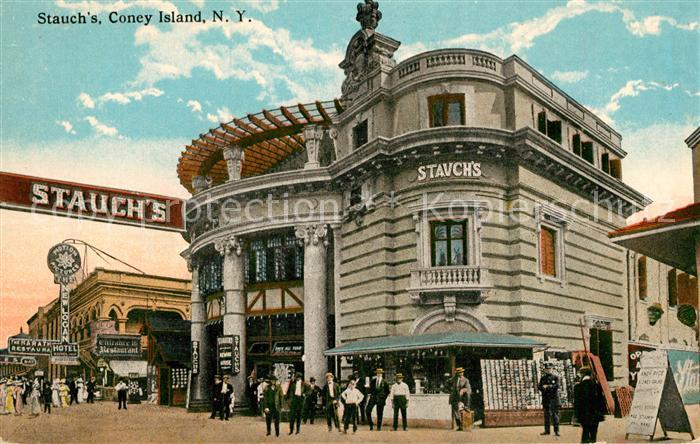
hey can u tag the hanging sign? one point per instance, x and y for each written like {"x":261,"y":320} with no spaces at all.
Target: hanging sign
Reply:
{"x":69,"y":199}
{"x":224,"y":353}
{"x":67,"y":350}
{"x":657,"y":397}
{"x":29,"y":346}
{"x":118,"y":346}
{"x":195,"y":357}
{"x":26,"y":361}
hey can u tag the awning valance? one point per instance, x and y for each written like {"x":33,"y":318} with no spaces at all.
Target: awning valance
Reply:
{"x":432,"y":340}
{"x":124,"y":368}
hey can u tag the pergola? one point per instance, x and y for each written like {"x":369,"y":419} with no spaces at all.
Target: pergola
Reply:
{"x":267,"y":138}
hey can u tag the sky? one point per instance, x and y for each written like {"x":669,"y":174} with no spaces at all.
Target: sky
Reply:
{"x":114,"y":104}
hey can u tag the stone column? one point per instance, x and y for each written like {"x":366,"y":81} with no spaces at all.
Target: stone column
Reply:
{"x":200,"y":392}
{"x":234,"y":316}
{"x":315,"y":302}
{"x":233,"y":156}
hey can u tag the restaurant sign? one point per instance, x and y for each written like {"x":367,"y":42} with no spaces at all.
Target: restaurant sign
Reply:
{"x":30,"y":346}
{"x":118,"y":346}
{"x":69,"y":199}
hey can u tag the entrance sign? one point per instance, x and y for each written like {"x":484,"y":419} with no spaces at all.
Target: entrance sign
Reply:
{"x":69,"y":199}
{"x":118,"y":346}
{"x":657,"y":396}
{"x":27,"y":361}
{"x":30,"y":346}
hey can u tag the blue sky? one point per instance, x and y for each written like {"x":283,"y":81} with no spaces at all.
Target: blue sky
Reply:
{"x":115,"y":105}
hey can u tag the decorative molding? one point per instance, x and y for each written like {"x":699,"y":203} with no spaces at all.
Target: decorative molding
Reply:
{"x":599,"y":322}
{"x":313,"y":135}
{"x":234,"y":157}
{"x":469,"y":315}
{"x":228,"y":245}
{"x":312,"y":234}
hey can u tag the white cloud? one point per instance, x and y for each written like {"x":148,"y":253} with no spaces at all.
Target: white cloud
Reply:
{"x":659,"y":165}
{"x":223,"y":114}
{"x":651,"y":25}
{"x":569,"y":76}
{"x":67,"y":126}
{"x":194,"y":106}
{"x":102,"y":129}
{"x":261,"y":5}
{"x":86,"y":101}
{"x":126,"y":97}
{"x":631,"y":89}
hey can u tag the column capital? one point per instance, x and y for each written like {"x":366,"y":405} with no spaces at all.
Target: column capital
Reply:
{"x":312,"y":234}
{"x":233,"y":155}
{"x":228,"y":245}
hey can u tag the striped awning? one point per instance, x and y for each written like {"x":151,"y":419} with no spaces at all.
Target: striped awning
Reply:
{"x":267,"y":138}
{"x":389,"y":344}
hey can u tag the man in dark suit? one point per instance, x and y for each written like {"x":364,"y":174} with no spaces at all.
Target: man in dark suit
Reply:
{"x":363,"y":387}
{"x":378,"y":392}
{"x":296,"y":392}
{"x":216,"y":397}
{"x":226,"y":393}
{"x":460,"y":393}
{"x":589,"y":405}
{"x":549,"y":387}
{"x":91,"y":390}
{"x":331,"y":396}
{"x":311,"y":401}
{"x":272,"y":405}
{"x":252,"y":394}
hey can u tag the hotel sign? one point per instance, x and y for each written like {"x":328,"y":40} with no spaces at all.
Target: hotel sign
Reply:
{"x":69,"y":199}
{"x":118,"y":346}
{"x":449,"y":169}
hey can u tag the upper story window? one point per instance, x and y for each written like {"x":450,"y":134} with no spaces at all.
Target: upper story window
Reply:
{"x":276,"y":258}
{"x":446,"y":110}
{"x":642,"y":277}
{"x":672,"y":280}
{"x":449,"y":243}
{"x":611,"y":166}
{"x":211,"y":275}
{"x":551,"y":227}
{"x":548,"y":251}
{"x":550,"y":128}
{"x":583,"y":149}
{"x":360,"y":134}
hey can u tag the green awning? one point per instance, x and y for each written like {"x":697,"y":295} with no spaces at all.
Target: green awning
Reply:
{"x":432,"y":340}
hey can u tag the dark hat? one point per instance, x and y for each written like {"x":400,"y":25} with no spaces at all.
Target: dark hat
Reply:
{"x":548,"y":364}
{"x":273,"y":378}
{"x":352,"y":378}
{"x":297,"y":375}
{"x":312,"y":379}
{"x":585,"y":371}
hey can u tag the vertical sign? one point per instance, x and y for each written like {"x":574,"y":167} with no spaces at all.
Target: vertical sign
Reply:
{"x":224,"y":347}
{"x":195,"y":357}
{"x":64,"y":261}
{"x":236,"y":355}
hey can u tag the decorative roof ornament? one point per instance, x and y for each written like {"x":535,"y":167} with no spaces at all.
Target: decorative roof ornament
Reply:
{"x":368,"y":14}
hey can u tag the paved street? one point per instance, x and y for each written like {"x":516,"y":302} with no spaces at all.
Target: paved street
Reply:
{"x":102,"y":422}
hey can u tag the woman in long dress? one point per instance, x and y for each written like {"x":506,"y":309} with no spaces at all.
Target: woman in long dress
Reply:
{"x":19,"y":405}
{"x":82,"y":391}
{"x":10,"y":398}
{"x":64,"y":391}
{"x":34,"y":398}
{"x":3,"y":396}
{"x":55,"y":393}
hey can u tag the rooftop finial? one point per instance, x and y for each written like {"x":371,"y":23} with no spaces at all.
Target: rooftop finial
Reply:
{"x":368,"y":14}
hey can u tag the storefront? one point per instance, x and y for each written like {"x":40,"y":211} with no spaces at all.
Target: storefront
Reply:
{"x":452,"y":193}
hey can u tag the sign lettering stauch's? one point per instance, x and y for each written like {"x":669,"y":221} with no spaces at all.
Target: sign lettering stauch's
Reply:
{"x":195,"y":357}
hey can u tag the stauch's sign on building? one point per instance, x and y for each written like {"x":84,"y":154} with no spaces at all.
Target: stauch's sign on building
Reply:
{"x":60,"y":198}
{"x":118,"y":346}
{"x":449,"y":169}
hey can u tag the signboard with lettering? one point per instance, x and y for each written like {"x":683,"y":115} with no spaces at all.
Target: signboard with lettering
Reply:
{"x":118,"y":346}
{"x":449,"y":169}
{"x":224,"y":353}
{"x":634,"y":363}
{"x":69,"y":199}
{"x":68,"y":350}
{"x":685,"y":366}
{"x":195,"y":357}
{"x":63,"y":360}
{"x":29,"y":346}
{"x":26,"y":361}
{"x":287,"y":347}
{"x":236,"y":365}
{"x":656,"y":396}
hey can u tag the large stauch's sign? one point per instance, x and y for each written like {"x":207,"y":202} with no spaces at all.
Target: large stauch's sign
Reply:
{"x":118,"y":346}
{"x":59,"y":198}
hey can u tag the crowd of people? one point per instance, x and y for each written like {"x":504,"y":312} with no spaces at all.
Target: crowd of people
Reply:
{"x":19,"y":394}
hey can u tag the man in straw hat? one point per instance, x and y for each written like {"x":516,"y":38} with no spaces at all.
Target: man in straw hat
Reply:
{"x":331,"y":396}
{"x":549,"y":386}
{"x":351,"y":398}
{"x":399,"y":399}
{"x":378,"y":392}
{"x":460,"y":393}
{"x":272,"y":405}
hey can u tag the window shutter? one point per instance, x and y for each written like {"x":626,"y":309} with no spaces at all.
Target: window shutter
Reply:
{"x":587,"y":152}
{"x":547,"y":252}
{"x":642,"y":277}
{"x":616,"y":168}
{"x":605,"y":162}
{"x":672,"y":288}
{"x":576,"y":144}
{"x":542,"y":122}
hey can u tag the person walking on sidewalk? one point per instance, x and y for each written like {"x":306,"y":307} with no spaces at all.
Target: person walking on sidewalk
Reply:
{"x":91,"y":390}
{"x":378,"y":392}
{"x":352,"y":397}
{"x":549,"y":386}
{"x":296,"y":392}
{"x":121,"y":390}
{"x":47,"y":396}
{"x":589,"y":405}
{"x":272,"y":405}
{"x":399,"y":399}
{"x":310,"y":401}
{"x":460,"y":393}
{"x":331,"y":397}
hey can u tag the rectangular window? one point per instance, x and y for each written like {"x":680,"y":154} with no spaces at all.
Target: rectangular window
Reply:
{"x":587,"y":152}
{"x":542,"y":122}
{"x":449,"y":243}
{"x":642,"y":277}
{"x":672,"y":288}
{"x":446,"y":110}
{"x":548,"y":251}
{"x":576,"y":144}
{"x":359,"y":134}
{"x":278,"y":258}
{"x":605,"y":163}
{"x":550,"y":128}
{"x":602,"y":346}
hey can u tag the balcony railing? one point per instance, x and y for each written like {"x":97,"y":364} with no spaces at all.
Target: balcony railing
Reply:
{"x":454,"y":278}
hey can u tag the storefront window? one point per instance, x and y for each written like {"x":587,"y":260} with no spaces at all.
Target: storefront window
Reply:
{"x":210,"y":275}
{"x":449,"y":243}
{"x":276,"y":258}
